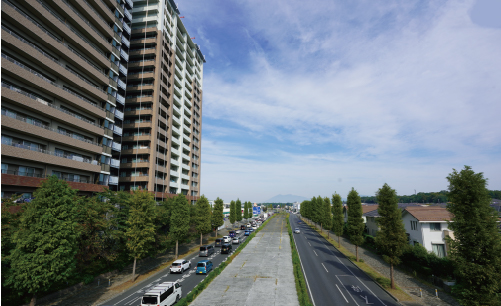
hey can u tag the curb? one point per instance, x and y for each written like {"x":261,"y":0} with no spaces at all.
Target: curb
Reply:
{"x":379,"y":285}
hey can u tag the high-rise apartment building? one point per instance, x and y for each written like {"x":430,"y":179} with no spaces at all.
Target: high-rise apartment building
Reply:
{"x":64,"y":70}
{"x":162,"y":122}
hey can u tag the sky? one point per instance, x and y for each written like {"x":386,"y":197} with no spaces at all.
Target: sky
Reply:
{"x":315,"y":97}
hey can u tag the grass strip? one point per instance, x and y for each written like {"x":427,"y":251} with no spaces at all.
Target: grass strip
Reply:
{"x":302,"y":291}
{"x":374,"y":274}
{"x":212,"y":275}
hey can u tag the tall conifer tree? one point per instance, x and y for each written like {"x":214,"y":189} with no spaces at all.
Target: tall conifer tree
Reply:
{"x":337,"y":216}
{"x":355,"y":222}
{"x":217,"y":214}
{"x":391,"y":237}
{"x":238,"y":210}
{"x":233,"y":213}
{"x":326,"y":214}
{"x":476,"y":247}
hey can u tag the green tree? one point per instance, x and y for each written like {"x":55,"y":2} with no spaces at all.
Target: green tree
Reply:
{"x":318,"y":209}
{"x":233,"y":213}
{"x":238,"y":210}
{"x":141,"y":231}
{"x":391,"y":238}
{"x":203,"y":216}
{"x":337,"y":216}
{"x":355,"y":222}
{"x":476,"y":246}
{"x":217,"y":214}
{"x":327,"y":215}
{"x":179,"y":220}
{"x":245,"y":210}
{"x":46,"y":242}
{"x":162,"y":224}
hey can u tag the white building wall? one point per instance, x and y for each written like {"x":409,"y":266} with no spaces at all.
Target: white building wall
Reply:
{"x":372,"y":226}
{"x":431,"y":236}
{"x":415,"y":235}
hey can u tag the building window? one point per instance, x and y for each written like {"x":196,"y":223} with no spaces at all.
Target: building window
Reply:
{"x":414,"y":225}
{"x":434,"y":226}
{"x":438,"y":249}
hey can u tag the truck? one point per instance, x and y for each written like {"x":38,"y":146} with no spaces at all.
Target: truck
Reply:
{"x":265,"y":215}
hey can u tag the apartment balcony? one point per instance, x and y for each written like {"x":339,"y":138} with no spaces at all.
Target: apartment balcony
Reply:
{"x":115,"y":163}
{"x":127,"y":14}
{"x":184,"y":176}
{"x":178,"y":100}
{"x":116,"y":146}
{"x":137,"y":178}
{"x":188,"y":139}
{"x":134,"y":165}
{"x":175,"y":140}
{"x":135,"y":125}
{"x":124,"y":55}
{"x":174,"y":173}
{"x":175,"y":130}
{"x":173,"y":184}
{"x":144,"y":51}
{"x":175,"y":119}
{"x":119,"y":114}
{"x":129,"y":3}
{"x":126,"y":28}
{"x":140,"y":75}
{"x":125,"y":41}
{"x":123,"y":69}
{"x":175,"y":151}
{"x":120,"y":99}
{"x":137,"y":112}
{"x":142,"y":63}
{"x":186,"y":147}
{"x":176,"y":110}
{"x":122,"y":84}
{"x":117,"y":130}
{"x":15,"y":178}
{"x":184,"y":186}
{"x":136,"y":151}
{"x":143,"y":40}
{"x":174,"y":162}
{"x":49,"y":157}
{"x":185,"y":166}
{"x":113,"y":180}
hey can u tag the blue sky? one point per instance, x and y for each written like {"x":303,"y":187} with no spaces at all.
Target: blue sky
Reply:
{"x":313,"y":97}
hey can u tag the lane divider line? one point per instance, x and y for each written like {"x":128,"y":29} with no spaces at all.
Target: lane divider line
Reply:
{"x":342,"y":294}
{"x":315,"y":252}
{"x":325,"y":267}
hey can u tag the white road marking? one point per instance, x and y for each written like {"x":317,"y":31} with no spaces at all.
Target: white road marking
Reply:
{"x":309,"y":243}
{"x":342,"y":294}
{"x":324,"y":267}
{"x":366,"y":301}
{"x":315,"y":252}
{"x":305,"y":278}
{"x":347,"y":291}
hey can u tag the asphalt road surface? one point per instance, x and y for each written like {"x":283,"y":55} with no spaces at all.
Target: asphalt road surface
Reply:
{"x":188,"y":280}
{"x":331,"y":278}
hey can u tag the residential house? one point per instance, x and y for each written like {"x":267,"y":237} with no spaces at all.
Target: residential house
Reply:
{"x":365,"y":209}
{"x":371,"y":224}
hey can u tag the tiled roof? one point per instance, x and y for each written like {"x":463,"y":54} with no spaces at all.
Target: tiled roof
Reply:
{"x":429,"y":213}
{"x":402,"y":206}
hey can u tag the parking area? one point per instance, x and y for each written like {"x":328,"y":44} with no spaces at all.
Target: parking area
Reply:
{"x":260,"y":275}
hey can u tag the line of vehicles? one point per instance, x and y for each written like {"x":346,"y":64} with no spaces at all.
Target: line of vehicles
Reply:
{"x":169,"y":293}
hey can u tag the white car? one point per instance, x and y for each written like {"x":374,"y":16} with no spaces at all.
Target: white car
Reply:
{"x":297,"y":230}
{"x":254,"y":227}
{"x":237,"y":231}
{"x":226,"y":239}
{"x":236,"y":240}
{"x":180,"y":265}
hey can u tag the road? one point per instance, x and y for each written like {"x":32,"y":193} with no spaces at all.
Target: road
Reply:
{"x":189,"y":279}
{"x":331,"y":278}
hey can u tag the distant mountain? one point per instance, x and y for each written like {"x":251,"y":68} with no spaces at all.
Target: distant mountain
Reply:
{"x":288,"y":198}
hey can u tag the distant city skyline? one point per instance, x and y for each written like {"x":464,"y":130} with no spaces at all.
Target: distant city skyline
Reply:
{"x":312,"y":98}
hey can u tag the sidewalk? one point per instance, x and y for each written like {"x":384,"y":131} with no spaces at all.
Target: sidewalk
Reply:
{"x":406,"y":282}
{"x":92,"y":294}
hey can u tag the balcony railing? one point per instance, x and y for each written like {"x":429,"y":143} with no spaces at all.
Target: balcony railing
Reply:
{"x":116,"y":146}
{"x":46,"y":127}
{"x":129,"y":2}
{"x":121,"y":84}
{"x":126,"y":13}
{"x":115,"y":163}
{"x":120,"y":99}
{"x":125,"y":41}
{"x":124,"y":54}
{"x":123,"y":69}
{"x":85,"y":20}
{"x":126,"y":27}
{"x":38,"y":175}
{"x":117,"y":130}
{"x":113,"y":180}
{"x":119,"y":114}
{"x":18,"y":90}
{"x":72,"y":157}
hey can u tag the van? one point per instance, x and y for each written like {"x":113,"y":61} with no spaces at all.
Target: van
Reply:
{"x":206,"y":250}
{"x":219,"y":242}
{"x":226,"y":248}
{"x":204,"y":266}
{"x":232,"y":234}
{"x":164,"y":294}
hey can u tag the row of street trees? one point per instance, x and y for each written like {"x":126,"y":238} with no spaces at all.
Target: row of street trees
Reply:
{"x":236,"y":211}
{"x":475,"y":250}
{"x":60,"y":238}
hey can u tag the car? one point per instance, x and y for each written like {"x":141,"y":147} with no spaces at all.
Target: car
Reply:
{"x":180,"y":265}
{"x":204,"y":266}
{"x":206,"y":250}
{"x":165,"y":294}
{"x":238,"y":231}
{"x":236,"y":240}
{"x":226,"y":239}
{"x":232,"y":234}
{"x":226,"y":248}
{"x":251,"y":230}
{"x":248,"y":225}
{"x":297,"y":230}
{"x":242,"y":227}
{"x":254,"y":227}
{"x":247,"y":233}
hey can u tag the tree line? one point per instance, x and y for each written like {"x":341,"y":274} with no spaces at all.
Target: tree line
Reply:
{"x":426,"y":197}
{"x":474,"y":252}
{"x":60,"y":238}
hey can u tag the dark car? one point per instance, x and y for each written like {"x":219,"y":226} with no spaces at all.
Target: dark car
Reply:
{"x":247,"y":233}
{"x":226,"y":248}
{"x":219,"y":242}
{"x":232,"y":234}
{"x":242,"y":227}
